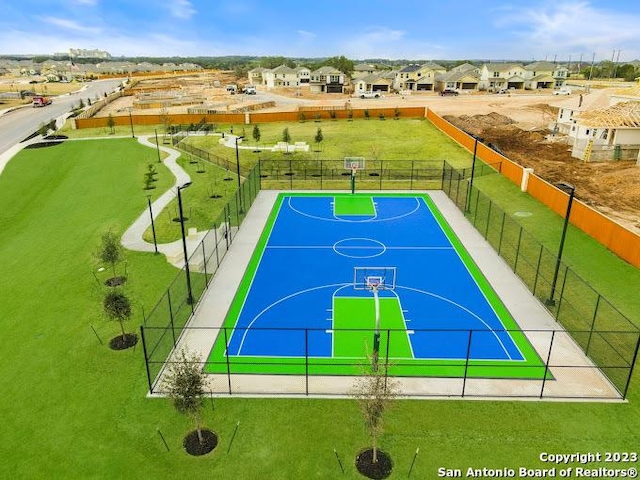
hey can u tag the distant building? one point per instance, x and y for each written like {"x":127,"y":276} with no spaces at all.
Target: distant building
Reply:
{"x":85,"y":53}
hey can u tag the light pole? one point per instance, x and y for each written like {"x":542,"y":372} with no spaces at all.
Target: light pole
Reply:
{"x":131,"y":123}
{"x":570,"y":190}
{"x":153,"y":226}
{"x":184,"y":245}
{"x":157,"y":146}
{"x":238,"y":171}
{"x":473,"y":169}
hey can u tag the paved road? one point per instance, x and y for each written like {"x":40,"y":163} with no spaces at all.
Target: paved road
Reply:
{"x":15,"y":126}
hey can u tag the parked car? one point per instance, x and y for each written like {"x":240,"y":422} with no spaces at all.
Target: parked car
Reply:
{"x":563,"y":91}
{"x":370,"y":95}
{"x":448,"y":91}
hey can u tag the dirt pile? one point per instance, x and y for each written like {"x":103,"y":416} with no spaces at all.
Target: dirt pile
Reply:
{"x":611,"y":187}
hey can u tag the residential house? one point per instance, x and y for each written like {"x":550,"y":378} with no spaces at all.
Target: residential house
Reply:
{"x":327,"y":80}
{"x":602,"y":126}
{"x":461,"y":79}
{"x":374,"y":82}
{"x":544,"y":75}
{"x":256,"y":76}
{"x":416,"y":77}
{"x":501,"y":76}
{"x":363,"y":69}
{"x":281,"y":77}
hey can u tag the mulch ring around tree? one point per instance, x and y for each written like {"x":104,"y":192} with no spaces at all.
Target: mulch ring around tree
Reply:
{"x":193,"y":446}
{"x":381,"y":469}
{"x":115,"y":281}
{"x":123,"y":342}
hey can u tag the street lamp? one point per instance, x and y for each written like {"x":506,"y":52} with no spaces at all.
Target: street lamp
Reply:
{"x":153,"y":227}
{"x":570,"y":190}
{"x":473,"y":168}
{"x":157,"y":145}
{"x":184,"y":245}
{"x":238,"y":170}
{"x":131,"y":122}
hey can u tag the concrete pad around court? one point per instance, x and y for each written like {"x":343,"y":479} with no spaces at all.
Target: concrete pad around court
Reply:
{"x":574,"y":376}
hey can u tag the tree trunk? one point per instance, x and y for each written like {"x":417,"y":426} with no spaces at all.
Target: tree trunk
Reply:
{"x":122,"y":329}
{"x":375,"y":449}
{"x":199,"y":429}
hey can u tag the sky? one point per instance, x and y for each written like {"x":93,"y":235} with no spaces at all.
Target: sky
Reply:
{"x":417,"y":30}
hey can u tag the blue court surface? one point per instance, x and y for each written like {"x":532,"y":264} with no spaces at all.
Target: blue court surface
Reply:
{"x":302,"y":306}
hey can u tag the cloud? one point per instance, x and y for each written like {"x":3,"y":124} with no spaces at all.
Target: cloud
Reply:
{"x":71,"y":25}
{"x":88,"y":3}
{"x":181,"y":9}
{"x":572,"y":27}
{"x":306,"y":35}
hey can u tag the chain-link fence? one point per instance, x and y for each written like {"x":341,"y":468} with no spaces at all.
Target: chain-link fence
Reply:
{"x":605,"y":335}
{"x":561,"y":370}
{"x":164,"y":323}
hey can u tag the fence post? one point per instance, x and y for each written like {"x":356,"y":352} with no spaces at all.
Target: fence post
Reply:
{"x":173,"y":331}
{"x":306,"y":361}
{"x":226,"y":356}
{"x":411,"y":181}
{"x":504,"y":216}
{"x":146,"y":358}
{"x":486,"y":230}
{"x":535,"y":281}
{"x":546,"y":364}
{"x":466,"y":364}
{"x":515,"y":263}
{"x":633,"y":363}
{"x":593,"y":324}
{"x":215,"y":238}
{"x":204,"y":258}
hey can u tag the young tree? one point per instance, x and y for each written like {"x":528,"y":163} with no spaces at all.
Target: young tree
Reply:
{"x":118,"y":308}
{"x":374,"y":392}
{"x":286,"y":137}
{"x":318,"y":138}
{"x":187,"y":384}
{"x":111,"y":123}
{"x":110,"y":251}
{"x":256,"y":133}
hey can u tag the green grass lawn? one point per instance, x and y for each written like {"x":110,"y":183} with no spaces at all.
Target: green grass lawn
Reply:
{"x":72,"y":408}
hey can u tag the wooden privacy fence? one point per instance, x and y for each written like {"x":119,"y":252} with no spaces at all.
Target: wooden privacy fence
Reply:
{"x":255,"y":117}
{"x":612,"y":235}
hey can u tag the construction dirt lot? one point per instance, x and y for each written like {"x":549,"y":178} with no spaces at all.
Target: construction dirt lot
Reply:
{"x":517,"y":124}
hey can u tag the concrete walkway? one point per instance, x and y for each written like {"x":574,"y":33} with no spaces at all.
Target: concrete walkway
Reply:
{"x":133,"y":237}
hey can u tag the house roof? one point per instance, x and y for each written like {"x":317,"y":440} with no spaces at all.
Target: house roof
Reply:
{"x":542,"y":66}
{"x":465,"y":67}
{"x":283,"y":69}
{"x":623,"y":114}
{"x":364,"y":67}
{"x":501,"y":67}
{"x":454,"y":76}
{"x":326,"y":70}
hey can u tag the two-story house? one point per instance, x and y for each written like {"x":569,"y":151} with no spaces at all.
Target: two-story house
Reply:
{"x":327,"y":80}
{"x":279,"y":77}
{"x":502,"y":76}
{"x":463,"y":77}
{"x":416,"y":77}
{"x":543,"y":75}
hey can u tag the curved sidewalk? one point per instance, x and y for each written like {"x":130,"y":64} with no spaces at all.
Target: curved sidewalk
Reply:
{"x":133,"y":239}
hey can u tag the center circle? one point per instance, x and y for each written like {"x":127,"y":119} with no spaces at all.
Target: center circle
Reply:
{"x":359,"y":248}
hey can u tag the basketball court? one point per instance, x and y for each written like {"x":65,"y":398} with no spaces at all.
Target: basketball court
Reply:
{"x":318,"y":286}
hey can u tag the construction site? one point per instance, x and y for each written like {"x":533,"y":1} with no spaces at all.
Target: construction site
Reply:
{"x":517,"y":125}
